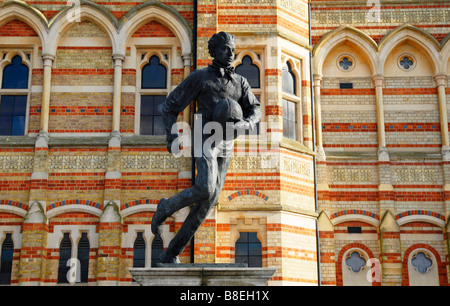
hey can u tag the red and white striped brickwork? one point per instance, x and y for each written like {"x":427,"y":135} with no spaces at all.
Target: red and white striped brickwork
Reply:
{"x":384,"y":165}
{"x":84,"y":180}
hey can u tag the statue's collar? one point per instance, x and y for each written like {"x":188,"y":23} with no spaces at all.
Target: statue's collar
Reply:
{"x":222,"y":71}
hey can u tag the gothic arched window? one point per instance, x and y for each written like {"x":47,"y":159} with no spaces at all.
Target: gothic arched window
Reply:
{"x":153,"y":93}
{"x":13,"y":97}
{"x":250,"y":71}
{"x":290,"y":104}
{"x":154,"y":74}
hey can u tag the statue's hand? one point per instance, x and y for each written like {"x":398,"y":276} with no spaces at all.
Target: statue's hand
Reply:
{"x":242,"y":125}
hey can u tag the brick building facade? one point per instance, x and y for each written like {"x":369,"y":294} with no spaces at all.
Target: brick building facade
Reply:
{"x":84,"y":163}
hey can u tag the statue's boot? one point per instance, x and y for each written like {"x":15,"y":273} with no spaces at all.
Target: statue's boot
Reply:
{"x":165,"y":257}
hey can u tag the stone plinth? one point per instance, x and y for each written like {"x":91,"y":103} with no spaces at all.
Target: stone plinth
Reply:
{"x":202,"y":275}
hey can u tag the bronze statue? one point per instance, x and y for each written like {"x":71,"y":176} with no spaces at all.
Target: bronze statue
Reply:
{"x":209,"y":87}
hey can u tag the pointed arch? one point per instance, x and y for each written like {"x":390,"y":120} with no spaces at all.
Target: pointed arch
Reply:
{"x":87,"y":10}
{"x":414,"y":35}
{"x":339,"y":36}
{"x":445,"y":53}
{"x":18,"y":10}
{"x":155,"y":10}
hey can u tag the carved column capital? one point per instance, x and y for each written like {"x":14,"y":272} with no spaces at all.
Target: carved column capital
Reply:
{"x":118,"y":59}
{"x":48,"y":59}
{"x":441,"y":79}
{"x":186,"y":59}
{"x":378,"y":80}
{"x":317,"y":81}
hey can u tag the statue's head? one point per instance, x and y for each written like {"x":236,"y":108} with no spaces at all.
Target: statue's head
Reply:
{"x":222,"y":47}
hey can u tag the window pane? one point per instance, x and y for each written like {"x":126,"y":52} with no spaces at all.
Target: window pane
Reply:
{"x":289,"y":119}
{"x":146,"y":125}
{"x":20,"y":105}
{"x":158,"y":102}
{"x":18,"y":125}
{"x":7,"y":105}
{"x":12,"y":115}
{"x":158,"y":126}
{"x":154,"y":74}
{"x":288,"y":79}
{"x":255,"y":261}
{"x":5,"y":125}
{"x":151,"y":115}
{"x":291,"y":111}
{"x":15,"y":75}
{"x":241,"y":249}
{"x":147,"y":105}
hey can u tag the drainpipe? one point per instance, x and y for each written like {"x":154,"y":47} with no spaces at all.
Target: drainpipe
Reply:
{"x":194,"y":106}
{"x":314,"y":145}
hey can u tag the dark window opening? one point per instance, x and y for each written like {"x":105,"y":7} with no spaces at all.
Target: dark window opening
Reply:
{"x":250,"y":71}
{"x":151,"y":115}
{"x":346,"y":85}
{"x":154,"y":74}
{"x":157,"y":248}
{"x":65,"y":253}
{"x":83,"y":257}
{"x":15,"y":75}
{"x":248,"y":249}
{"x":139,"y":251}
{"x":7,"y":253}
{"x":354,"y":230}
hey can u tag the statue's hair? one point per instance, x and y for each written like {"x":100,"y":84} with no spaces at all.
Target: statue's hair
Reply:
{"x":219,"y":38}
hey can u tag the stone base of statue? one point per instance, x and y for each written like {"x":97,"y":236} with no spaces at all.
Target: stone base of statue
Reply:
{"x":202,"y":275}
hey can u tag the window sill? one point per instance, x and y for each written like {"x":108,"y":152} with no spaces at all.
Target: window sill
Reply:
{"x":294,"y":145}
{"x":17,"y":141}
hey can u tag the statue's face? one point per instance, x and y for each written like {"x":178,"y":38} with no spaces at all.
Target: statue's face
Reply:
{"x":224,"y":53}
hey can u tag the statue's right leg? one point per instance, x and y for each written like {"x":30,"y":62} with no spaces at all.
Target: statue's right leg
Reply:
{"x":201,"y":191}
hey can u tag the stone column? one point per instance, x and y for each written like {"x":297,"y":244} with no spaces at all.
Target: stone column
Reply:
{"x":441,"y":81}
{"x":391,"y":256}
{"x":187,"y":70}
{"x":385,"y":188}
{"x":308,"y":125}
{"x":318,"y":117}
{"x":382,"y":151}
{"x":48,"y":60}
{"x":118,"y":63}
{"x":441,"y":84}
